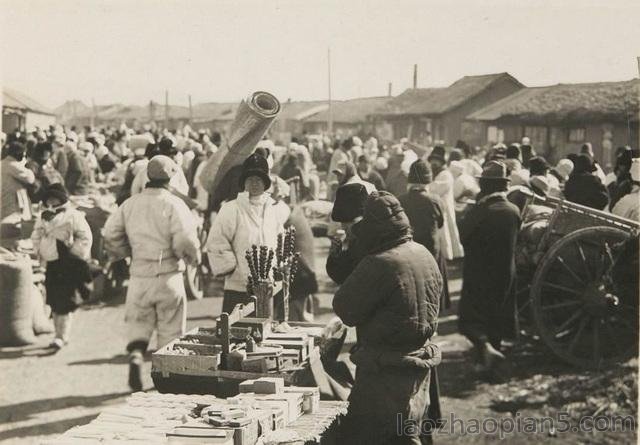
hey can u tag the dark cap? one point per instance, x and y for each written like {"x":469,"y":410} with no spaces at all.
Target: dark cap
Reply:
{"x":349,"y":203}
{"x":57,"y":191}
{"x":420,"y":173}
{"x":494,"y":170}
{"x":538,"y":166}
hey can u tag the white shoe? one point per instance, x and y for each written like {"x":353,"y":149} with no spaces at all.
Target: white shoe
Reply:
{"x":57,"y":343}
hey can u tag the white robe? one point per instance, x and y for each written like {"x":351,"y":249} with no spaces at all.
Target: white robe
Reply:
{"x":443,"y":187}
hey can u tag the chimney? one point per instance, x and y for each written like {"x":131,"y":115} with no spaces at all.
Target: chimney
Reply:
{"x":389,"y":90}
{"x":415,"y":76}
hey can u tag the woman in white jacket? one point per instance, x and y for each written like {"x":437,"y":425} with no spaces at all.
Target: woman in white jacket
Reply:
{"x":442,"y":186}
{"x":252,"y":218}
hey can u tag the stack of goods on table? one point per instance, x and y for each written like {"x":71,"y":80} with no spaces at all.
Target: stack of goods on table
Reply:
{"x":249,"y":342}
{"x":248,"y":348}
{"x":268,"y":414}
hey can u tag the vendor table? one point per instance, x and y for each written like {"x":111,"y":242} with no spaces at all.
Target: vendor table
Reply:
{"x":133,"y":422}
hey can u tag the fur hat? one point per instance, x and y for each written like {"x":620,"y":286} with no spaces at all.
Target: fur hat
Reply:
{"x":456,"y":155}
{"x":494,"y":170}
{"x":538,"y":166}
{"x":255,"y":165}
{"x":57,"y":191}
{"x":349,"y":203}
{"x":583,"y":163}
{"x":438,"y":153}
{"x":420,"y":173}
{"x":513,"y":152}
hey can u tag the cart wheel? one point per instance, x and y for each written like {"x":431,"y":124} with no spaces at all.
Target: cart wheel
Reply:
{"x":195,"y":277}
{"x":574,"y":312}
{"x":193,"y":283}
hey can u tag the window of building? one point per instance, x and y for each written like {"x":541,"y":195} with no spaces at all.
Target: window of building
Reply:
{"x":577,"y":134}
{"x":495,"y":135}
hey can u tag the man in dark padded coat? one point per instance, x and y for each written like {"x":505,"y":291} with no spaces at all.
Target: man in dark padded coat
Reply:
{"x":488,"y":234}
{"x":392,"y":298}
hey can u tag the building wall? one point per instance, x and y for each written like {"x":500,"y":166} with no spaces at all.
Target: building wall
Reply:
{"x":553,"y":142}
{"x":26,"y":121}
{"x":454,"y":119}
{"x":33,"y":120}
{"x":340,"y":129}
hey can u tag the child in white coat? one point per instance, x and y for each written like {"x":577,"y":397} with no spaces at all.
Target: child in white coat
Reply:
{"x":62,"y":239}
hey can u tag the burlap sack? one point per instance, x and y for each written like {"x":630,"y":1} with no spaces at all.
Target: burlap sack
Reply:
{"x":16,"y":302}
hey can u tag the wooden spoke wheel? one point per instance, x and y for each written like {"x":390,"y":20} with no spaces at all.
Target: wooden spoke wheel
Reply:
{"x":575,"y":312}
{"x":193,"y":282}
{"x":195,"y":277}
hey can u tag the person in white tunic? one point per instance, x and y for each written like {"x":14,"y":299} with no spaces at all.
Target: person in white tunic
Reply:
{"x":158,"y":231}
{"x":442,"y":186}
{"x":629,"y":205}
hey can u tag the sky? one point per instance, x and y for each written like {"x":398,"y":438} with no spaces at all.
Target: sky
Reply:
{"x":131,"y":51}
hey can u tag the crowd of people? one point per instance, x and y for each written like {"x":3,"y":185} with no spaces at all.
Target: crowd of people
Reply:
{"x":400,"y":214}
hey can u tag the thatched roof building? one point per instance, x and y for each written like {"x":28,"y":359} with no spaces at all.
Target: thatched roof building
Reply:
{"x":565,"y":103}
{"x":436,"y":101}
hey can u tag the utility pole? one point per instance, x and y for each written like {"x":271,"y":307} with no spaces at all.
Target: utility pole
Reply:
{"x":330,"y":123}
{"x":415,"y":76}
{"x":190,"y":111}
{"x":93,"y":113}
{"x":152,"y":111}
{"x":389,"y":91}
{"x":166,"y":109}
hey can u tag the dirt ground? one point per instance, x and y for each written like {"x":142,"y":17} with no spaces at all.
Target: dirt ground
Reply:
{"x":42,"y":395}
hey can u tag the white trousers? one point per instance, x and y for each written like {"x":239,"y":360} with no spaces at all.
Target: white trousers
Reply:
{"x":156,"y":303}
{"x":62,"y":324}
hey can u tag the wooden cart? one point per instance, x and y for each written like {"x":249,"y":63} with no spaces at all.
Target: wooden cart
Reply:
{"x":570,"y":294}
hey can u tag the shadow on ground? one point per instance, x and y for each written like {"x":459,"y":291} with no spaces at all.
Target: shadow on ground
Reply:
{"x":41,"y":429}
{"x":25,"y":410}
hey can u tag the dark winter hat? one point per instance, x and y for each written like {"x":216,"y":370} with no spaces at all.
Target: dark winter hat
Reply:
{"x":624,"y":157}
{"x":420,"y":173}
{"x":383,"y":209}
{"x":349,"y":203}
{"x":55,"y":190}
{"x":438,"y":153}
{"x":456,"y":155}
{"x":583,"y":163}
{"x":494,"y":170}
{"x":587,"y":148}
{"x":538,"y":166}
{"x":167,"y":147}
{"x":255,"y":165}
{"x":16,"y":150}
{"x":513,"y":152}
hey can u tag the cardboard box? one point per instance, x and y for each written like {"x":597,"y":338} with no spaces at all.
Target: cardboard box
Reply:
{"x":311,"y":395}
{"x":294,"y":403}
{"x":246,"y":386}
{"x":268,"y":385}
{"x":276,"y":409}
{"x":198,"y":435}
